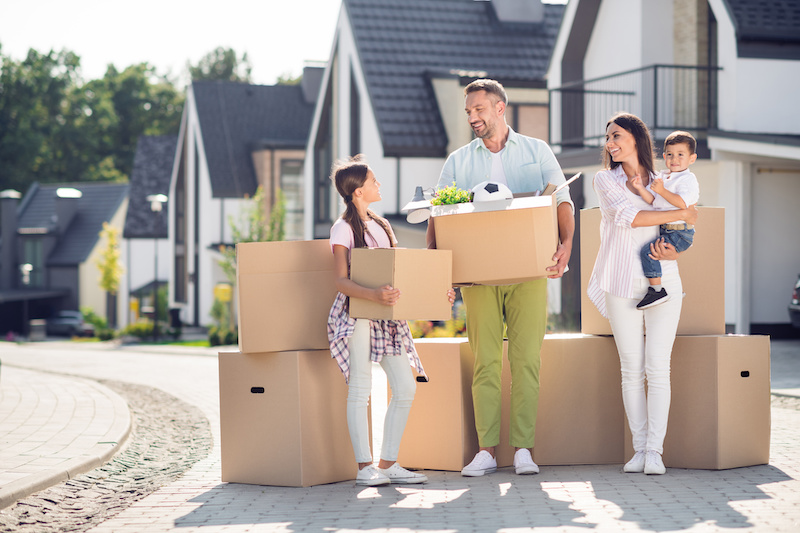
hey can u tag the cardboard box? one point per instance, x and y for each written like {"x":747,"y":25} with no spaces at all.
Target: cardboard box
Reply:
{"x":702,"y":269}
{"x":580,"y":416}
{"x":283,"y":419}
{"x":720,"y":412}
{"x":423,"y":277}
{"x":285,"y":292}
{"x":506,"y":241}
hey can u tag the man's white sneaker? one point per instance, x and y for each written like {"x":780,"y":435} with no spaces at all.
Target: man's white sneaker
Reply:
{"x":523,"y":462}
{"x":654,"y":464}
{"x":483,"y":463}
{"x":371,"y":476}
{"x":636,"y":464}
{"x":398,"y":474}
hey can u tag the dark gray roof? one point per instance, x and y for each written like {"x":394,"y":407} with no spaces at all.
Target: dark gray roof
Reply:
{"x":236,"y":118}
{"x":152,"y":170}
{"x":403,"y":44}
{"x":98,"y":204}
{"x":766,"y":28}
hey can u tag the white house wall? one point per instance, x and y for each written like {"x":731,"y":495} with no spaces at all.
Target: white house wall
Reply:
{"x":139,"y":269}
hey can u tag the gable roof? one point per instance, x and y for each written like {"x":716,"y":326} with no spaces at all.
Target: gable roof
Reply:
{"x":402,"y":45}
{"x":152,"y":171}
{"x":766,"y":29}
{"x":237,"y":118}
{"x":98,"y":203}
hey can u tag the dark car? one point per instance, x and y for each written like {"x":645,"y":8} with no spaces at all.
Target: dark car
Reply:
{"x":794,"y":306}
{"x":69,"y":323}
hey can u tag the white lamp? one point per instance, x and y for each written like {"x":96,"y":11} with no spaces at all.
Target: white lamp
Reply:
{"x":419,"y":209}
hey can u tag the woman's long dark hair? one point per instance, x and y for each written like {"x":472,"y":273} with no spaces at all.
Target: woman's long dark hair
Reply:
{"x":641,"y":136}
{"x":349,"y":176}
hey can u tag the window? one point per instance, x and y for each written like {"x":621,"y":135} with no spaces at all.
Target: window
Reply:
{"x":32,"y":254}
{"x":291,"y":180}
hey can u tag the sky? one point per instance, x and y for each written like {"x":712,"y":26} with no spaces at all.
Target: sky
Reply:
{"x":279,"y":36}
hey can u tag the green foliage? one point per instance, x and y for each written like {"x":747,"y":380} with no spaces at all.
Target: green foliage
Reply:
{"x":141,"y":329}
{"x":93,"y":318}
{"x":221,"y":64}
{"x":287,"y":78}
{"x":254,"y":227}
{"x":456,"y":327}
{"x":54,"y":127}
{"x":109,"y":263}
{"x":451,"y":195}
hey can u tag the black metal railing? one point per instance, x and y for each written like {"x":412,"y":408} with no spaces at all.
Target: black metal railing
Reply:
{"x":666,"y":97}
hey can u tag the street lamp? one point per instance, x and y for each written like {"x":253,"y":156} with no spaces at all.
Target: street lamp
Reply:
{"x":157,"y":202}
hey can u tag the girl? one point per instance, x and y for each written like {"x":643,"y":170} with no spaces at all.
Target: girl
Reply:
{"x":618,"y":283}
{"x":355,"y":343}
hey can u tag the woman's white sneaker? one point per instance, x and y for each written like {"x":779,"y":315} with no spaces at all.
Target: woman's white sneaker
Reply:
{"x":370,"y":476}
{"x":483,"y":463}
{"x":398,"y":474}
{"x":636,"y":464}
{"x":654,"y":464}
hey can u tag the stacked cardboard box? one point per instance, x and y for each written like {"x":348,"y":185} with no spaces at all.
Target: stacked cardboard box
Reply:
{"x":719,"y":416}
{"x":282,"y":397}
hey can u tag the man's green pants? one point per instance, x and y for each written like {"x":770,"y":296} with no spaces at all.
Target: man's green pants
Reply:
{"x":524,"y":308}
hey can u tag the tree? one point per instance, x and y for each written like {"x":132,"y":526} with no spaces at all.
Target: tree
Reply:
{"x":56,"y":128}
{"x":221,"y":64}
{"x":110,"y":268}
{"x":287,"y":78}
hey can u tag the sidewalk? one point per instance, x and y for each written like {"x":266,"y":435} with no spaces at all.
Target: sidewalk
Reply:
{"x":53,"y":427}
{"x":56,"y":421}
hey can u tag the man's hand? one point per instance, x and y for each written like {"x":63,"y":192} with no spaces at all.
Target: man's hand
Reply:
{"x":561,"y":258}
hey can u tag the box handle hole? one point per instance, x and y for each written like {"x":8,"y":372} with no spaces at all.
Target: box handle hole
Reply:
{"x":257,"y":390}
{"x":745,"y":373}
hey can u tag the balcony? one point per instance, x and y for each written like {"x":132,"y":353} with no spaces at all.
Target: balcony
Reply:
{"x":666,"y":97}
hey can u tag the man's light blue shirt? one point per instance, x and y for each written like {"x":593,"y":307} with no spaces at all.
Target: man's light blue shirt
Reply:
{"x":529,"y":165}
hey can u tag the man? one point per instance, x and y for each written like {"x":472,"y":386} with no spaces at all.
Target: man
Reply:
{"x":524,"y":164}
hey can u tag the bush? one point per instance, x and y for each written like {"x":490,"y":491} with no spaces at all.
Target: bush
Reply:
{"x":105,"y":334}
{"x":142,"y":329}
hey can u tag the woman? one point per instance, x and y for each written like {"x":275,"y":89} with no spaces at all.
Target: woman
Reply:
{"x":618,"y":283}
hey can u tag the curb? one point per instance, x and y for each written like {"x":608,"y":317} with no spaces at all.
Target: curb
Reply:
{"x":109,"y":444}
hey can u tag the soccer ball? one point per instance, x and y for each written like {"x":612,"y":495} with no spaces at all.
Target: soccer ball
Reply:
{"x":488,"y":191}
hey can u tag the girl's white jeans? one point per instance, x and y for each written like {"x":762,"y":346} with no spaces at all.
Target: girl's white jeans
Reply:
{"x":646,"y":357}
{"x":401,"y":380}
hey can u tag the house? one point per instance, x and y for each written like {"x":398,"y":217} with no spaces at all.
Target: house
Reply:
{"x":393,"y":90}
{"x":145,"y":237}
{"x":725,"y":70}
{"x":50,"y":248}
{"x":234,"y":137}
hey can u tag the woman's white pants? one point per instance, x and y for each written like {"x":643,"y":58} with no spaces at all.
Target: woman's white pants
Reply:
{"x":401,"y":380}
{"x":646,"y":357}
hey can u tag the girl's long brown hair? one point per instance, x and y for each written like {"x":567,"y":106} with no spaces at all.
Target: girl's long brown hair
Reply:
{"x":349,"y":176}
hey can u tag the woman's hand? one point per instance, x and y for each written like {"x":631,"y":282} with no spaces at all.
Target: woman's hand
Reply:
{"x":386,"y":295}
{"x":662,"y":251}
{"x":690,"y":214}
{"x":451,"y":296}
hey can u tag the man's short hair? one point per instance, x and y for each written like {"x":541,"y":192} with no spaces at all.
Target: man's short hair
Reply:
{"x":680,"y":137}
{"x":491,"y":87}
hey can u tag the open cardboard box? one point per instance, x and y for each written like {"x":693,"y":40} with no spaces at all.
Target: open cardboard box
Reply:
{"x":283,"y":419}
{"x":498,"y":242}
{"x":719,"y":416}
{"x":580,"y":416}
{"x":423,"y":277}
{"x":702,"y":269}
{"x":285,"y":292}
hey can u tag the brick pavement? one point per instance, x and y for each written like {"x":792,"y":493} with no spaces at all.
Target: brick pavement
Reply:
{"x":570,"y":498}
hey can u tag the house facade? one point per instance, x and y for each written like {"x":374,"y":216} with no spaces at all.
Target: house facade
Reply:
{"x":393,"y":90}
{"x":51,"y":245}
{"x":724,"y":70}
{"x":234,"y":137}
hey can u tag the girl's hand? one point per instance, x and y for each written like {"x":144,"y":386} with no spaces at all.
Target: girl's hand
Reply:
{"x":386,"y":295}
{"x":657,"y":185}
{"x":451,"y":295}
